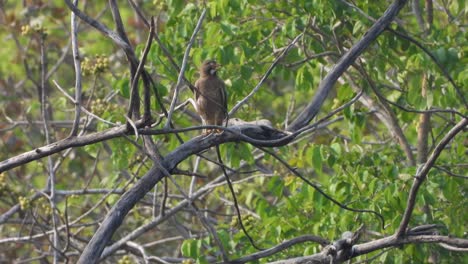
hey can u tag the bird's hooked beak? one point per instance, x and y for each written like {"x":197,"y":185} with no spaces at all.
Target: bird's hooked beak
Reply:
{"x":215,"y":68}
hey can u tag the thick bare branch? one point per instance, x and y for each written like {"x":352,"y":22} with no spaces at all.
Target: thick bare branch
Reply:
{"x":339,"y":255}
{"x":393,"y":241}
{"x":60,"y":145}
{"x":114,"y":218}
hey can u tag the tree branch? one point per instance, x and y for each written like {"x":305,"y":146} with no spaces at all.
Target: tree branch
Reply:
{"x":182,"y":69}
{"x":265,"y":76}
{"x":97,"y":25}
{"x":77,"y":66}
{"x":311,"y":110}
{"x":422,"y":174}
{"x":281,"y":247}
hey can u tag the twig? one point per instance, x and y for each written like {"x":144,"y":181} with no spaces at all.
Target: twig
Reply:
{"x":141,"y":250}
{"x":311,"y":110}
{"x":424,"y":49}
{"x":161,"y":45}
{"x":236,"y":204}
{"x":318,"y":189}
{"x":281,"y":247}
{"x":452,"y":248}
{"x":162,"y":209}
{"x":64,"y":92}
{"x":194,"y":179}
{"x":204,"y":221}
{"x":332,"y":113}
{"x":311,"y":57}
{"x":451,"y":173}
{"x":134,"y":104}
{"x":291,"y":106}
{"x":139,"y":69}
{"x":265,"y":76}
{"x":392,"y":119}
{"x":98,"y":118}
{"x":97,"y":25}
{"x":422,"y":174}
{"x":77,"y":65}
{"x":417,"y":13}
{"x":207,"y":188}
{"x":131,"y":124}
{"x":50,"y":165}
{"x":82,"y":107}
{"x":392,"y":241}
{"x":182,"y":69}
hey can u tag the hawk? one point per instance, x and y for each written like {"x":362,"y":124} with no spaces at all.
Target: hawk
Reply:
{"x":210,"y":96}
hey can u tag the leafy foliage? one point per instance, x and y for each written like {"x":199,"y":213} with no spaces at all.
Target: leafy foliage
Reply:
{"x":357,"y":158}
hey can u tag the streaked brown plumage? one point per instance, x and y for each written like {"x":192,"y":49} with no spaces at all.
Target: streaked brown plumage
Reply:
{"x":210,"y":96}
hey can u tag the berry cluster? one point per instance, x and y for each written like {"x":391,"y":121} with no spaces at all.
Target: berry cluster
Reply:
{"x":94,"y":66}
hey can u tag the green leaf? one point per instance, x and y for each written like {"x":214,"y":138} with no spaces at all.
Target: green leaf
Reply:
{"x":33,"y":107}
{"x":358,"y":27}
{"x":188,"y":248}
{"x":331,"y":160}
{"x":246,"y":72}
{"x":275,"y":186}
{"x":348,"y":112}
{"x":317,"y":158}
{"x":213,"y":7}
{"x":429,"y":99}
{"x":337,"y":148}
{"x":356,"y":134}
{"x":123,"y":86}
{"x":304,"y":78}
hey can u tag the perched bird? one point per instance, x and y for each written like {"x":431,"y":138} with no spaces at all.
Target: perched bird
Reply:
{"x":210,"y":96}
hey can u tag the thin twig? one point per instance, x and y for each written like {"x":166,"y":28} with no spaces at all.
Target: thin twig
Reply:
{"x":204,"y":190}
{"x":280,"y":247}
{"x":161,"y":45}
{"x":265,"y":76}
{"x":325,"y":86}
{"x":424,"y":49}
{"x":451,"y":173}
{"x":422,"y":174}
{"x":203,"y":220}
{"x":236,"y":204}
{"x":77,"y":65}
{"x":140,"y":249}
{"x":194,"y":179}
{"x":50,"y":165}
{"x":182,"y":69}
{"x":318,"y":189}
{"x":392,"y":119}
{"x":139,"y":69}
{"x":97,"y":25}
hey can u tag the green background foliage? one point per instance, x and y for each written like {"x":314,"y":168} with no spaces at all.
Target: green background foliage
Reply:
{"x":355,"y":159}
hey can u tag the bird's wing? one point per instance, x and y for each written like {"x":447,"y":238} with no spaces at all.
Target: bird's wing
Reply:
{"x":197,"y":85}
{"x":223,"y":96}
